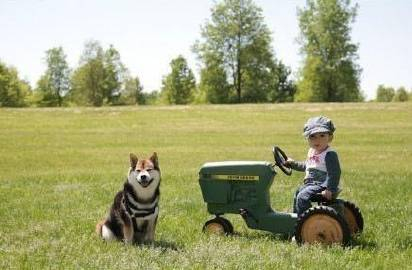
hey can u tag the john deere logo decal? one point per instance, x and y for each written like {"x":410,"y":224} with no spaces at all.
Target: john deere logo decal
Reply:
{"x":235,"y":177}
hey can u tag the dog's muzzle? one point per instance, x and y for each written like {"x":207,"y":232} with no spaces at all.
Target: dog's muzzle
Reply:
{"x":144,"y":180}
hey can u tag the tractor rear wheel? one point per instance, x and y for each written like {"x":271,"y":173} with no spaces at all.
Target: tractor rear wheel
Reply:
{"x":353,"y":217}
{"x":218,"y":225}
{"x":322,"y":224}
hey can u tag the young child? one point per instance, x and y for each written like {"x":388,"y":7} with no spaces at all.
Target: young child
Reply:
{"x":321,"y":166}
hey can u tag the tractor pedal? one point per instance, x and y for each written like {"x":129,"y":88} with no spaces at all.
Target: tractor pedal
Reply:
{"x":243,"y":212}
{"x":246,"y":214}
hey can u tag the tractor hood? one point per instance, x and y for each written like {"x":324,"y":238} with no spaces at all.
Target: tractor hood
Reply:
{"x":236,"y":170}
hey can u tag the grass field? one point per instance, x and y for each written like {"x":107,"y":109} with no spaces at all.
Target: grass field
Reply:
{"x":60,"y":169}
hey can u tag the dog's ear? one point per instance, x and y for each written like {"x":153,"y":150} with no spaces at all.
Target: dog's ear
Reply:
{"x":154,"y":160}
{"x":133,"y":160}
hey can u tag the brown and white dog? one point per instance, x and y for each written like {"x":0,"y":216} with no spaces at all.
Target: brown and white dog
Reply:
{"x":133,"y":214}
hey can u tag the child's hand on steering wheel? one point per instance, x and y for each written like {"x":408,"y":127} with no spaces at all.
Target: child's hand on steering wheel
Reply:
{"x":288,"y":162}
{"x":327,"y":194}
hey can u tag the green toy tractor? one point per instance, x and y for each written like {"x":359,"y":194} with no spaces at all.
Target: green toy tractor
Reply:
{"x":242,"y":187}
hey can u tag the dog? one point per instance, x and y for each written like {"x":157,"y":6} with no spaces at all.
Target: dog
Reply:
{"x":134,"y":212}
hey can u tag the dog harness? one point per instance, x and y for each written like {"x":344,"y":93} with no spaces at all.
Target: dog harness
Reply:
{"x":137,"y":208}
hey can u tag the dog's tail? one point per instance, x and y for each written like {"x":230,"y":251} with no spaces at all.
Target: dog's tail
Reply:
{"x":104,"y":231}
{"x":99,"y":227}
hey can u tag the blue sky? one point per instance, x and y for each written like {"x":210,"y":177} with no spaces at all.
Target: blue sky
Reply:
{"x":149,"y":34}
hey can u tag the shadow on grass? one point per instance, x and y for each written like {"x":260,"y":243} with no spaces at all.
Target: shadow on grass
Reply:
{"x":166,"y":245}
{"x":161,"y":244}
{"x":363,"y":244}
{"x":358,"y":242}
{"x":262,"y":235}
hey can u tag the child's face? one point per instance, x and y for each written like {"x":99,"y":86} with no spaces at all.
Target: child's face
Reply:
{"x":320,"y":141}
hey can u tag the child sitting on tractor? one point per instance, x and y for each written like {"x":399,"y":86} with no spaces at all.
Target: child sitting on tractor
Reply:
{"x":321,"y":166}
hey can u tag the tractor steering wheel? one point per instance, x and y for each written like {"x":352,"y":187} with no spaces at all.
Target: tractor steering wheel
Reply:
{"x":280,"y":158}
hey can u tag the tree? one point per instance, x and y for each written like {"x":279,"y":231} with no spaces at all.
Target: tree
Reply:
{"x":88,"y":79}
{"x":384,"y":94}
{"x":330,"y":72}
{"x":13,"y":91}
{"x":115,"y":74}
{"x":55,"y":83}
{"x":133,"y":92}
{"x":238,"y":60}
{"x":286,"y":87}
{"x":100,"y":76}
{"x":179,"y":86}
{"x":152,"y":98}
{"x":401,"y":95}
{"x":213,"y":84}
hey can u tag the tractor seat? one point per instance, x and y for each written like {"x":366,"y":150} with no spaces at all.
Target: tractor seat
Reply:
{"x":322,"y":200}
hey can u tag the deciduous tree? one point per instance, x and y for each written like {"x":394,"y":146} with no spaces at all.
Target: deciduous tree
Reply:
{"x":384,"y":94}
{"x":401,"y":95}
{"x":89,"y":78}
{"x":330,"y":72}
{"x":133,"y":92}
{"x":54,"y":84}
{"x":236,"y":54}
{"x":115,"y":75}
{"x":213,"y":84}
{"x":178,"y":87}
{"x":100,"y":76}
{"x":13,"y":91}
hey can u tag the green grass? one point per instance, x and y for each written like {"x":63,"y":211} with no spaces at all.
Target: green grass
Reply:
{"x":60,"y":169}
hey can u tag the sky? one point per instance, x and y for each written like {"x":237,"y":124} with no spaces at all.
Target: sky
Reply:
{"x":149,"y":34}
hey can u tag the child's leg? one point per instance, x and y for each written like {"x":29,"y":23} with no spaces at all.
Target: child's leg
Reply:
{"x":303,"y":197}
{"x":295,"y":209}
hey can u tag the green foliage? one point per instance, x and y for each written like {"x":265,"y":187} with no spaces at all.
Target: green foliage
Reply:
{"x":152,"y":98}
{"x":89,"y":78}
{"x":133,"y":92}
{"x":401,"y":95}
{"x":54,"y":84}
{"x":385,"y":94}
{"x":286,"y":87}
{"x":388,"y":94}
{"x":330,"y":72}
{"x":179,"y":86}
{"x":100,"y":76}
{"x":213,"y":85}
{"x":115,"y":75}
{"x":60,"y":169}
{"x":14,"y":92}
{"x":238,"y":62}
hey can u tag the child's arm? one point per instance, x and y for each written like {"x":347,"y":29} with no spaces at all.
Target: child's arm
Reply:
{"x":296,"y":165}
{"x":333,"y":168}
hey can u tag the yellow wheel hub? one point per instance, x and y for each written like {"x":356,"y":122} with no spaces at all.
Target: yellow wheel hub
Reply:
{"x":215,"y":228}
{"x":320,"y":228}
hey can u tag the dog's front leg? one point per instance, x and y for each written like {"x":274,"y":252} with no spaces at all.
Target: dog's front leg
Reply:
{"x":151,"y":228}
{"x":128,"y":234}
{"x":128,"y":230}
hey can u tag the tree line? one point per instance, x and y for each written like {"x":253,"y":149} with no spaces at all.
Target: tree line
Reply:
{"x":388,"y":93}
{"x":238,"y":65}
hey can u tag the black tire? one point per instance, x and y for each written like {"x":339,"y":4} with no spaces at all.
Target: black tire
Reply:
{"x":218,"y":225}
{"x":229,"y":225}
{"x":322,"y":224}
{"x":353,"y":217}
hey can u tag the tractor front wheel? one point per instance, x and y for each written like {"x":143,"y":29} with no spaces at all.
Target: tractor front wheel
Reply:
{"x":219,"y":226}
{"x":322,"y":224}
